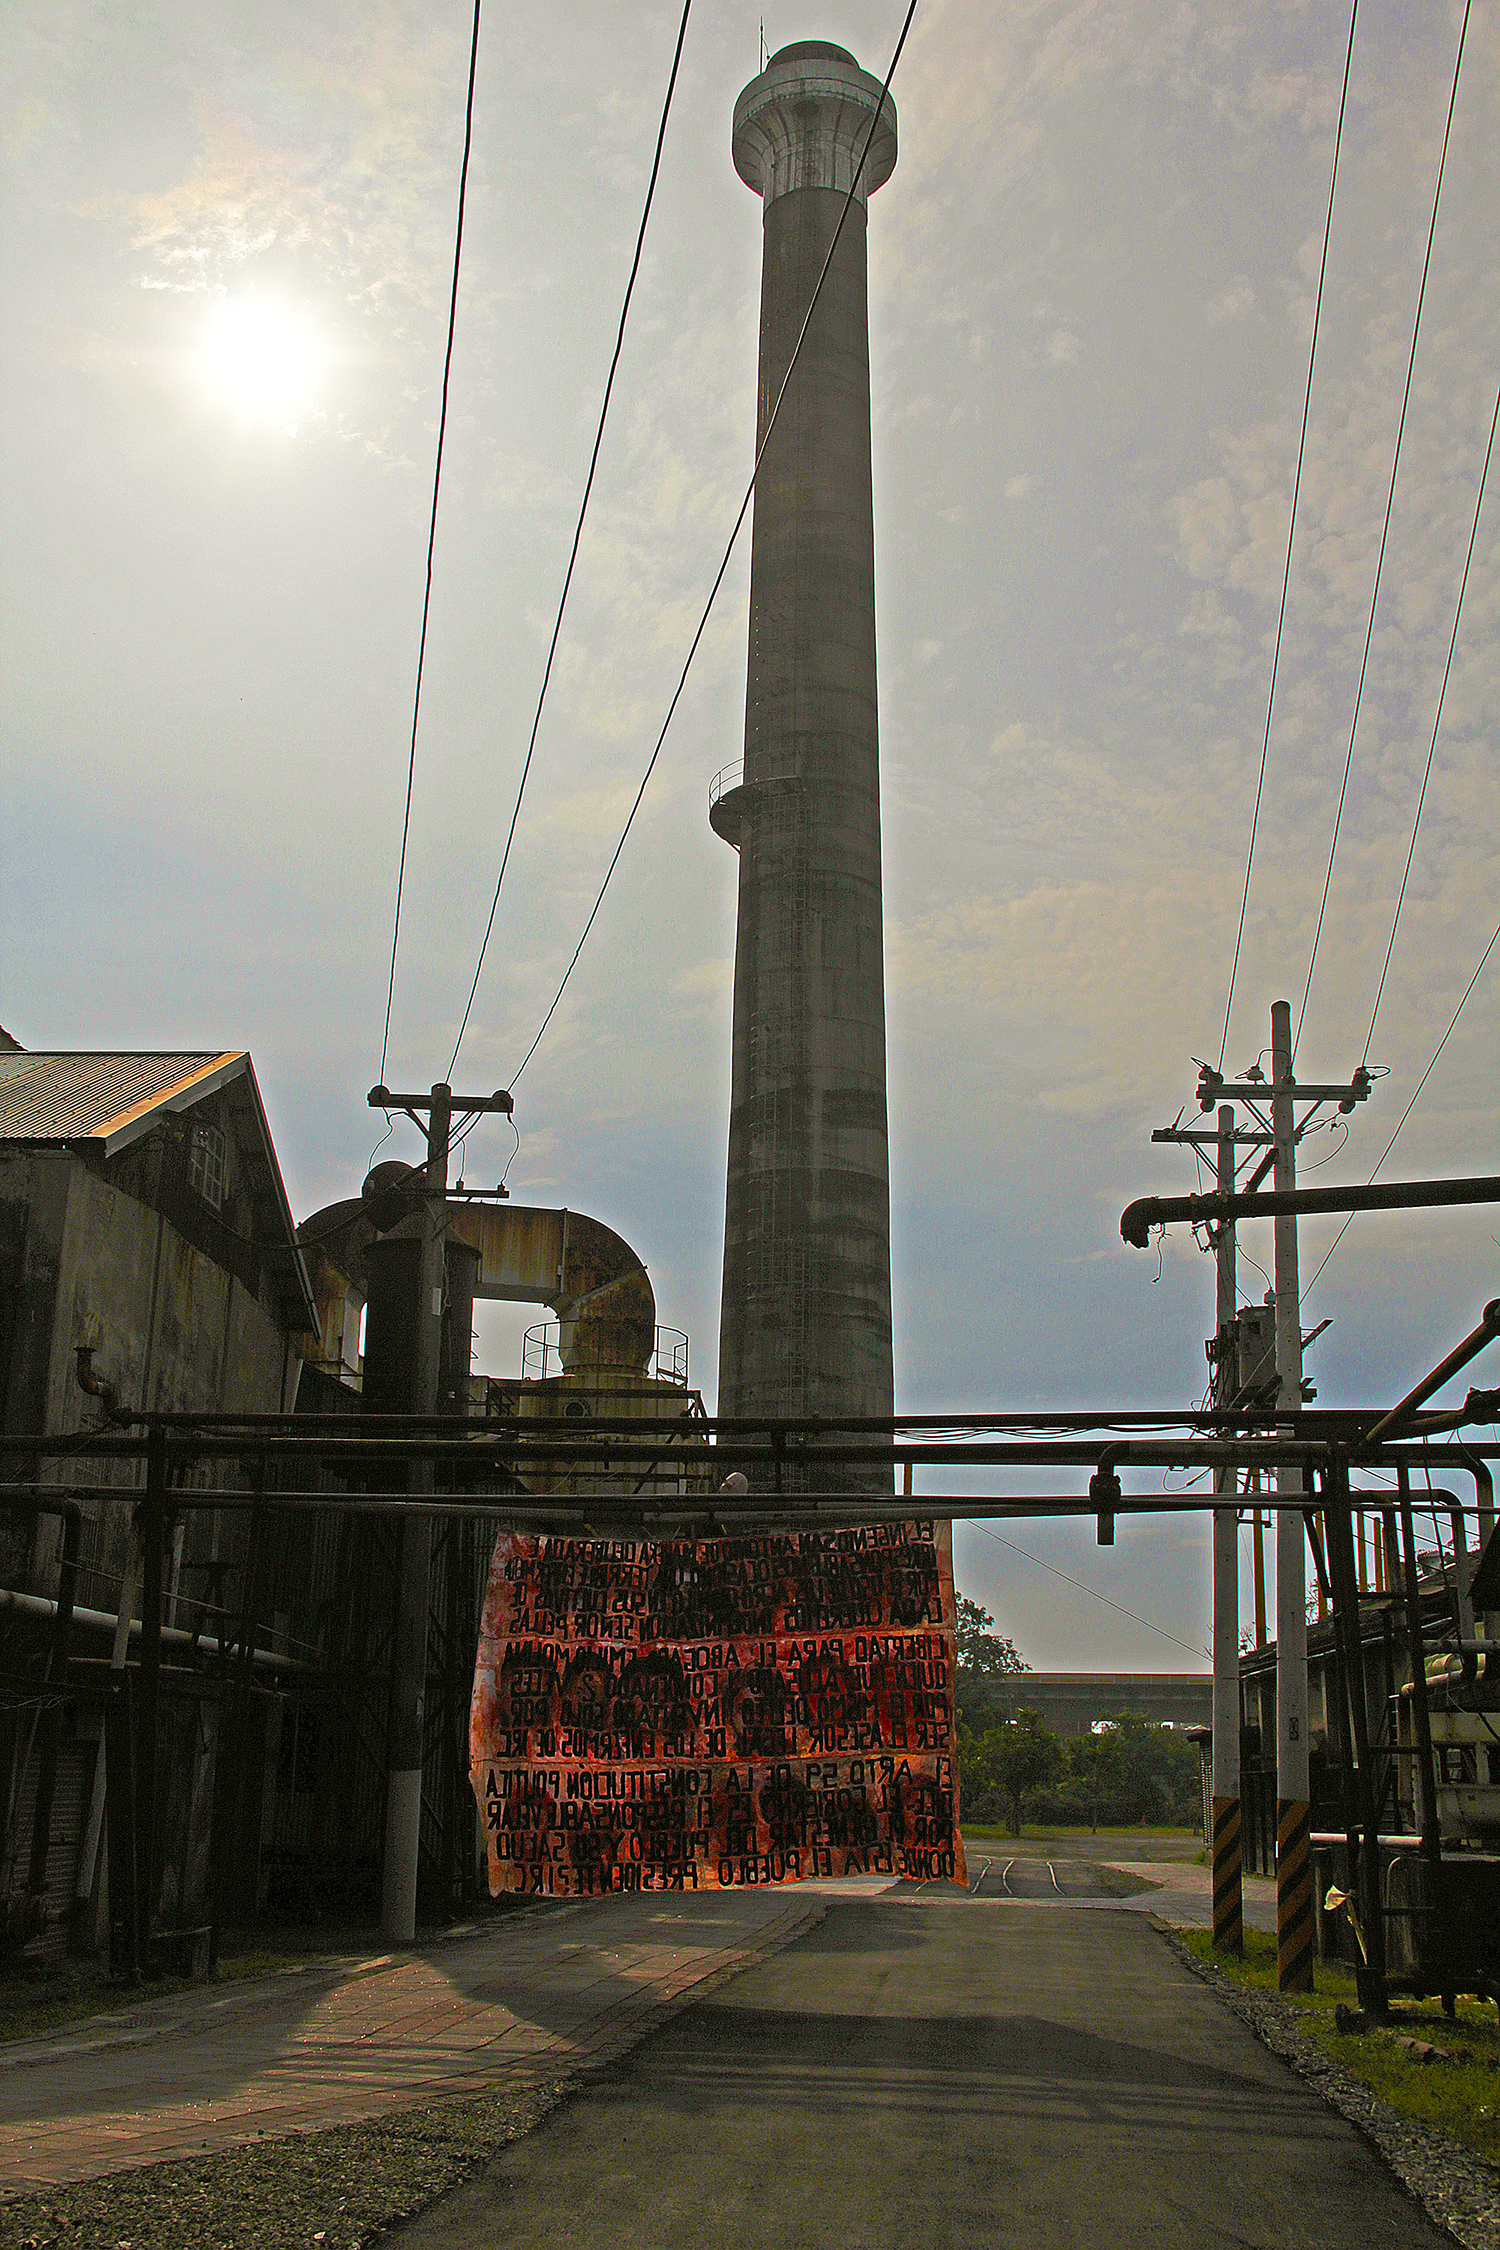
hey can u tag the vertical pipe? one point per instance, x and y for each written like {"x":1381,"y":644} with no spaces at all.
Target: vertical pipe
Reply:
{"x":1258,"y":1538}
{"x":1429,"y":1951}
{"x":88,"y":1858}
{"x":232,"y":1756}
{"x":1340,"y":1607}
{"x":1461,"y":1574}
{"x":403,"y":1813}
{"x":124,"y":1891}
{"x":1364,"y":1855}
{"x":1224,"y":1839}
{"x":153,"y":1538}
{"x":56,"y":1680}
{"x":1382,"y":1734}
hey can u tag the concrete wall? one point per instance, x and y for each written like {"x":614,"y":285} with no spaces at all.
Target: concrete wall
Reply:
{"x":172,"y":1328}
{"x":104,"y":1254}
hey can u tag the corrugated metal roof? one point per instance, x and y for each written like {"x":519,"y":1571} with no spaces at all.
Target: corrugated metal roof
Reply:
{"x":65,"y":1097}
{"x":112,"y":1099}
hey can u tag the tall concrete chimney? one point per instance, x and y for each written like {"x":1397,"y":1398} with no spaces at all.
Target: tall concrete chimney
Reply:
{"x":806,"y":1316}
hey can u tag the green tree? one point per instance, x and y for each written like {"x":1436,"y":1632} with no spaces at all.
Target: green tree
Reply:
{"x":1092,"y":1768}
{"x":984,"y":1654}
{"x":1138,"y":1771}
{"x":1018,"y":1757}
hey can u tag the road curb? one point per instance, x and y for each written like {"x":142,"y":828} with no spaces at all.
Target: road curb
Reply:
{"x":1459,"y":2192}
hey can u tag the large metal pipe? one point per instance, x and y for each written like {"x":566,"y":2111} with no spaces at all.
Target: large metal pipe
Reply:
{"x":527,"y":1255}
{"x":1473,"y":1344}
{"x":805,"y":1324}
{"x":1148,"y":1211}
{"x":41,"y":1607}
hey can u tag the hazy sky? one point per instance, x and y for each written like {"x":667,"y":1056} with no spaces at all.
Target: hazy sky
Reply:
{"x":228,"y":243}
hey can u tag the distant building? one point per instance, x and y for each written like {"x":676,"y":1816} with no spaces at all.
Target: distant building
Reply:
{"x":1074,"y":1703}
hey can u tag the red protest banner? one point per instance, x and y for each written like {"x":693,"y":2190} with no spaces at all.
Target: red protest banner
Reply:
{"x":696,"y":1714}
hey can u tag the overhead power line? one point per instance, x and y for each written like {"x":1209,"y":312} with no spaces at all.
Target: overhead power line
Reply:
{"x":1286,"y":575}
{"x":728,"y":551}
{"x":583,"y":509}
{"x":1390,"y":500}
{"x":1411,"y":1105}
{"x":1092,"y":1591}
{"x":437,"y":480}
{"x":1437,"y":722}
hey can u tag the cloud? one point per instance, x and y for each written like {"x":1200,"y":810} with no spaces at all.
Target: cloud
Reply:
{"x":1077,"y":583}
{"x":1207,"y":521}
{"x":1233,"y":302}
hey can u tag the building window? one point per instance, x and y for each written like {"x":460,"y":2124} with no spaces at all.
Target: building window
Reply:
{"x":208,"y":1166}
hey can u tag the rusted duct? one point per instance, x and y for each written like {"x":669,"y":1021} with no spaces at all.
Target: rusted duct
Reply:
{"x":528,"y":1255}
{"x":96,"y":1386}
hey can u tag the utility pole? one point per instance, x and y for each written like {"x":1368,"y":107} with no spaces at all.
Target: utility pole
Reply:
{"x":420,"y":1343}
{"x":1294,"y":1914}
{"x":1224,"y":1846}
{"x":1272,"y":1106}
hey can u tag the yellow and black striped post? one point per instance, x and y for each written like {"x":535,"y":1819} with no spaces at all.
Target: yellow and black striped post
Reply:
{"x":1294,"y":1903}
{"x":1229,"y":1933}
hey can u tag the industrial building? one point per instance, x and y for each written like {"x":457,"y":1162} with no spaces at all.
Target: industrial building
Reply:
{"x":1465,"y":1715}
{"x":148,"y":1262}
{"x":1424,"y":1793}
{"x":147,"y":1255}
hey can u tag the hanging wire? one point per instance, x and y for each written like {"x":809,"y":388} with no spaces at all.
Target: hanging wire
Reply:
{"x":1336,"y":1150}
{"x":1092,"y":1592}
{"x":1411,"y":1105}
{"x":1437,"y":722}
{"x":1390,"y":501}
{"x":1286,"y":576}
{"x":583,"y":509}
{"x":728,"y":552}
{"x":437,"y":480}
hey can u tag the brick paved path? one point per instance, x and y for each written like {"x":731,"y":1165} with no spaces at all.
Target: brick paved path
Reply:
{"x":532,"y":1997}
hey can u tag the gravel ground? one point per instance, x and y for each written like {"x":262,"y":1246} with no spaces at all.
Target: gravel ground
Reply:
{"x":340,"y":2188}
{"x":1457,"y":2189}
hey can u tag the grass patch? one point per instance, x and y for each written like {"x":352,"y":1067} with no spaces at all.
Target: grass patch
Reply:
{"x":1066,"y":1835}
{"x":1115,"y":1882}
{"x":1458,"y":2094}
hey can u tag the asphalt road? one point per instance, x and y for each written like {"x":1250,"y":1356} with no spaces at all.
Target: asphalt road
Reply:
{"x":926,"y":2071}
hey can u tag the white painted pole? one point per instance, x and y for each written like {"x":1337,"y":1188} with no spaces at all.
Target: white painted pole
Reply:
{"x":1294,"y":1921}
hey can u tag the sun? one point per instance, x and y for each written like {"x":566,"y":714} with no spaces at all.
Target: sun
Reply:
{"x":261,"y":358}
